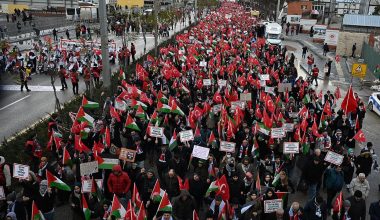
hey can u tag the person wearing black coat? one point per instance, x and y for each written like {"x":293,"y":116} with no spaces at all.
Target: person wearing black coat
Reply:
{"x":363,"y":163}
{"x":313,"y":178}
{"x":357,"y":210}
{"x":236,"y":188}
{"x":183,"y":206}
{"x":170,"y":184}
{"x":44,"y":197}
{"x":76,"y":203}
{"x":197,"y":188}
{"x":374,"y":210}
{"x":316,"y":209}
{"x":179,"y":165}
{"x":145,"y":183}
{"x":269,"y":195}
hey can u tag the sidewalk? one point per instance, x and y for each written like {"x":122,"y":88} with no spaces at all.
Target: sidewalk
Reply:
{"x":337,"y":73}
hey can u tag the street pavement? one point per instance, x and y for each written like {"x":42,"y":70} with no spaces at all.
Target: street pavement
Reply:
{"x":25,"y":108}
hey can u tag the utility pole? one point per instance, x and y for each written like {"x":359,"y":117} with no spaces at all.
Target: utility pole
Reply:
{"x":196,"y":10}
{"x":104,"y":43}
{"x":277,"y":10}
{"x":157,"y":5}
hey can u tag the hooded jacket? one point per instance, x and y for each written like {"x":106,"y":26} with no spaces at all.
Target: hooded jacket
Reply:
{"x":183,"y":208}
{"x":118,"y":184}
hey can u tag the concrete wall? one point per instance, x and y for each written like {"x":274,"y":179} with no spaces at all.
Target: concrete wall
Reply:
{"x":347,"y":39}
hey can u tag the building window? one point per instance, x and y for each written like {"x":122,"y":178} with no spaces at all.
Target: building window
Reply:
{"x":353,"y":5}
{"x":345,"y":11}
{"x":345,"y":5}
{"x":303,"y":7}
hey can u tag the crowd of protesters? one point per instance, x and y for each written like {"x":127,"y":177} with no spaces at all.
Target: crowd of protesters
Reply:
{"x":197,"y":85}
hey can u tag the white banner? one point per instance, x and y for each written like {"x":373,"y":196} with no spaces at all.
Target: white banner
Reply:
{"x":334,"y":158}
{"x":277,"y":133}
{"x":156,"y":132}
{"x":87,"y":185}
{"x":272,"y":205}
{"x":186,"y":135}
{"x":200,"y":152}
{"x":332,"y":37}
{"x":227,"y":146}
{"x":291,"y":147}
{"x":20,"y":171}
{"x":88,"y":168}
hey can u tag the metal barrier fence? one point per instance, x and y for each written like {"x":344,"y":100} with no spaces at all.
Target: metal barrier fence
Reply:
{"x":371,"y":57}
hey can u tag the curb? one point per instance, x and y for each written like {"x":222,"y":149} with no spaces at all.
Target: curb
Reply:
{"x":303,"y":44}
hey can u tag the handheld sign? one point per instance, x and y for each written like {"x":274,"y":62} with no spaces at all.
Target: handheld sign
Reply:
{"x":269,"y":89}
{"x":127,"y":155}
{"x":217,"y":108}
{"x":207,"y":82}
{"x":227,"y":146}
{"x":264,"y":77}
{"x":272,"y":205}
{"x":291,"y":147}
{"x":282,"y":87}
{"x":186,"y":135}
{"x":334,"y":158}
{"x":288,"y":127}
{"x":245,"y":97}
{"x":239,"y":104}
{"x":277,"y":133}
{"x":200,"y":152}
{"x":20,"y":171}
{"x":222,"y":82}
{"x":87,"y":185}
{"x":89,"y":168}
{"x":157,"y":132}
{"x":2,"y":194}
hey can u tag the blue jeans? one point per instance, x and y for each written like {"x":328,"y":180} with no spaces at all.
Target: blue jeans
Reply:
{"x":312,"y":191}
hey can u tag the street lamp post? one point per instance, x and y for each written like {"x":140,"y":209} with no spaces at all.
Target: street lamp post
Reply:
{"x":104,"y":43}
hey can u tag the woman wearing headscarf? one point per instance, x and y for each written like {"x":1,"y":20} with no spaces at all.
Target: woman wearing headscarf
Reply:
{"x":255,"y":211}
{"x":44,"y":197}
{"x":269,"y":195}
{"x":76,"y":202}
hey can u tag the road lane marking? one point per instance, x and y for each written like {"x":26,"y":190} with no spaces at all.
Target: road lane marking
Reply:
{"x":33,"y":88}
{"x":14,"y":102}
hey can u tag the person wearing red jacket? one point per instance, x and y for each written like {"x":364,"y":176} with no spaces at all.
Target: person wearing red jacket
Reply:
{"x":118,"y":182}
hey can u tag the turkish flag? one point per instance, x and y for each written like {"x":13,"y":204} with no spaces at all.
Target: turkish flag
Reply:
{"x":198,"y":112}
{"x":269,"y":104}
{"x":266,"y":120}
{"x":217,"y":98}
{"x":359,"y":136}
{"x":349,"y":103}
{"x":224,"y":189}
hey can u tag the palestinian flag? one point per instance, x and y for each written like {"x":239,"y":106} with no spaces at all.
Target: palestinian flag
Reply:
{"x":282,"y":195}
{"x":142,"y":213}
{"x":185,"y":89}
{"x":108,"y":163}
{"x":211,"y":171}
{"x":131,"y":124}
{"x":89,"y":104}
{"x":66,"y":157}
{"x":36,"y":213}
{"x":276,"y":179}
{"x":117,"y":209}
{"x":212,"y":140}
{"x":163,"y":107}
{"x":84,"y":117}
{"x":176,"y":110}
{"x":53,"y":181}
{"x":258,"y":183}
{"x":212,"y":188}
{"x":86,"y":210}
{"x":135,"y":104}
{"x":157,"y":192}
{"x":255,"y":149}
{"x":165,"y":205}
{"x":140,"y":113}
{"x":161,"y":97}
{"x":173,"y":141}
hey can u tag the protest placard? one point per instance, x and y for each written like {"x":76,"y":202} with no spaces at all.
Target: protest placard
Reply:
{"x":291,"y":147}
{"x":186,"y":136}
{"x":87,"y":185}
{"x":20,"y":171}
{"x":269,"y":89}
{"x":293,"y":114}
{"x":283,"y":86}
{"x":2,"y":194}
{"x":127,"y":155}
{"x":239,"y":104}
{"x":88,"y":168}
{"x":222,"y":82}
{"x":200,"y":152}
{"x":277,"y":133}
{"x":245,"y":96}
{"x":264,"y":77}
{"x":156,"y":131}
{"x":227,"y":146}
{"x":207,"y":82}
{"x":263,"y":83}
{"x":334,"y":158}
{"x":99,"y":183}
{"x":217,"y":108}
{"x":203,"y":64}
{"x":272,"y":205}
{"x":288,"y":127}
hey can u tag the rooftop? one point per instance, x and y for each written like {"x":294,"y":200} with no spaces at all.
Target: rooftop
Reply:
{"x":361,"y":20}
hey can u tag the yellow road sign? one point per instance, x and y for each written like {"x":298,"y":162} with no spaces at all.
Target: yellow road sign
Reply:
{"x":359,"y":70}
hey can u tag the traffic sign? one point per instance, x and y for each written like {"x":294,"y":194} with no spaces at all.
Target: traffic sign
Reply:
{"x":359,"y":70}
